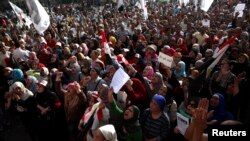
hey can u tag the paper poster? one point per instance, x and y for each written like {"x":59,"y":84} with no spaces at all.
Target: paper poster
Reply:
{"x":239,"y":8}
{"x":119,"y":79}
{"x":182,"y":123}
{"x":205,"y":4}
{"x":206,"y":23}
{"x":165,"y":59}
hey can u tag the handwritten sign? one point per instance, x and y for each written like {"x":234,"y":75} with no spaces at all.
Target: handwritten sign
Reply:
{"x":182,"y":123}
{"x":119,"y":79}
{"x":165,"y":59}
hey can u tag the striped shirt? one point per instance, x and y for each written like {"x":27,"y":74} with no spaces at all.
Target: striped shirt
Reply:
{"x":155,"y":128}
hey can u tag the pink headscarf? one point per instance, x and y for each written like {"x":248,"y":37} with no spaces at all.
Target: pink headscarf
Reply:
{"x":150,"y":72}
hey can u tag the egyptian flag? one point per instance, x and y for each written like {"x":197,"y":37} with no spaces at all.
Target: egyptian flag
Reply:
{"x":219,"y":52}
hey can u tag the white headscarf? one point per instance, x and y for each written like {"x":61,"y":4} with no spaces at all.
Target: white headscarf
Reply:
{"x":109,"y":132}
{"x":26,"y":93}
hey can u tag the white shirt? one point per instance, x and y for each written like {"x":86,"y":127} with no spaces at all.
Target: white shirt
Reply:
{"x":20,"y":53}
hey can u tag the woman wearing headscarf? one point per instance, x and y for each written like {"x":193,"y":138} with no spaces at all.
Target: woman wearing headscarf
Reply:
{"x":221,"y":78}
{"x":148,"y":72}
{"x":180,"y":70}
{"x":73,"y":69}
{"x":106,"y":133}
{"x":219,"y":113}
{"x":155,"y":123}
{"x":13,"y":75}
{"x":99,"y":113}
{"x":242,"y":64}
{"x":48,"y":106}
{"x":74,"y":104}
{"x":31,"y":83}
{"x":136,"y":93}
{"x":92,"y":100}
{"x":128,"y":129}
{"x":20,"y":100}
{"x":53,"y":62}
{"x":44,"y":73}
{"x":153,"y":86}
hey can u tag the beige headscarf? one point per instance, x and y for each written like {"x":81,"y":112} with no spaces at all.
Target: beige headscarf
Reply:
{"x":109,"y":132}
{"x":26,"y":93}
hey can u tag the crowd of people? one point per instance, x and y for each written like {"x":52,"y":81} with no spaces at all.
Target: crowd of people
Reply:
{"x":58,"y":82}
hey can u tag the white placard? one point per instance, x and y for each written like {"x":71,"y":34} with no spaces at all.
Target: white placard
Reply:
{"x":165,"y":59}
{"x":239,"y":8}
{"x":119,"y":79}
{"x":205,"y":4}
{"x":182,"y":123}
{"x":206,"y":23}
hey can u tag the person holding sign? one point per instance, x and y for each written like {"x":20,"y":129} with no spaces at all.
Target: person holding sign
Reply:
{"x":128,"y":129}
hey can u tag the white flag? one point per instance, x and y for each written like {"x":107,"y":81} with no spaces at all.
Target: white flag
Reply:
{"x":205,"y":4}
{"x":144,"y":8}
{"x":39,"y":16}
{"x":20,"y":14}
{"x":185,"y":2}
{"x":120,"y":3}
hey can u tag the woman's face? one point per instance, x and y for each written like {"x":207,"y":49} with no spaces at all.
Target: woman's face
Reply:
{"x":242,"y":59}
{"x":163,"y":91}
{"x":149,"y":51}
{"x":146,"y":71}
{"x":74,"y":69}
{"x":177,"y":58}
{"x":66,"y":50}
{"x":160,"y":43}
{"x":34,"y":66}
{"x":42,"y":73}
{"x":129,"y":113}
{"x":18,"y":91}
{"x":190,"y":106}
{"x":53,"y":58}
{"x":224,"y":65}
{"x":178,"y":67}
{"x":214,"y":101}
{"x":154,"y":106}
{"x":71,"y":89}
{"x":155,"y":79}
{"x":191,"y":54}
{"x":28,"y":81}
{"x":40,"y":88}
